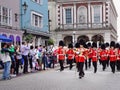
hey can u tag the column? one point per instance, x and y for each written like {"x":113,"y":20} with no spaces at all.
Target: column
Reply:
{"x":75,"y":21}
{"x":89,"y":15}
{"x":61,"y":15}
{"x":104,"y":15}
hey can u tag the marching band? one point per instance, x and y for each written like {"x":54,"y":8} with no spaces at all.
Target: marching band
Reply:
{"x":83,"y":54}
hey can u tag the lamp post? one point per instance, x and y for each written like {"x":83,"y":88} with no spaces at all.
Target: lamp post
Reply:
{"x":74,"y":37}
{"x":24,"y":6}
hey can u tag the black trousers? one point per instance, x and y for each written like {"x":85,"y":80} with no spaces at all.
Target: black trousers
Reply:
{"x":61,"y":65}
{"x":30,"y":62}
{"x":70,"y":62}
{"x":25,"y":70}
{"x":118,"y":65}
{"x":89,"y":62}
{"x":86,"y":64}
{"x":112,"y":65}
{"x":95,"y":66}
{"x":104,"y":63}
{"x":80,"y":68}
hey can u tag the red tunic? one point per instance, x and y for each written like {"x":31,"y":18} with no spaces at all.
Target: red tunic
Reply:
{"x":81,"y":55}
{"x":90,"y":53}
{"x":94,"y":55}
{"x":76,"y":55}
{"x":118,"y":55}
{"x":61,"y":54}
{"x":70,"y":54}
{"x":112,"y":55}
{"x":103,"y":55}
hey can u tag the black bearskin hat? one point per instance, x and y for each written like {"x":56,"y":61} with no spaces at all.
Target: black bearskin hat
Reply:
{"x":103,"y":46}
{"x":82,"y":42}
{"x":94,"y":44}
{"x":77,"y":45}
{"x":70,"y":45}
{"x":112,"y":44}
{"x":107,"y":44}
{"x":61,"y":43}
{"x":89,"y":44}
{"x":85,"y":45}
{"x":117,"y":45}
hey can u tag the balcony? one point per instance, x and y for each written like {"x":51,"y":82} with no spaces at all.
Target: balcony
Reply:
{"x":82,"y":26}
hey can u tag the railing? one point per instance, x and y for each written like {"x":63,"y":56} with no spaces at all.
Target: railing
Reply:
{"x":83,"y":26}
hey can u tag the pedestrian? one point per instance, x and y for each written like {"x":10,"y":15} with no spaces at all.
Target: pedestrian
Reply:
{"x":5,"y":57}
{"x":89,"y":54}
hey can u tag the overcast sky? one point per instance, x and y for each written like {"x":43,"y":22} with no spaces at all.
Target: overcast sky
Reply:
{"x":117,"y":5}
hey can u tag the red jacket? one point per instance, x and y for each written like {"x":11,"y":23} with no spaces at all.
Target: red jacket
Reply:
{"x":61,"y":54}
{"x":70,"y":54}
{"x":118,"y":54}
{"x":90,"y":53}
{"x":81,"y":57}
{"x":112,"y":55}
{"x":94,"y":55}
{"x":103,"y":55}
{"x":76,"y":55}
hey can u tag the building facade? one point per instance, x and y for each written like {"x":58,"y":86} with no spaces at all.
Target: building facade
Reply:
{"x":35,"y":20}
{"x":91,"y":20}
{"x":9,"y":27}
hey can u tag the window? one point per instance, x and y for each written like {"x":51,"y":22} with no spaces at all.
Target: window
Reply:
{"x":97,"y":14}
{"x":5,"y":16}
{"x":36,"y":20}
{"x":82,"y":15}
{"x":38,"y":1}
{"x":68,"y":16}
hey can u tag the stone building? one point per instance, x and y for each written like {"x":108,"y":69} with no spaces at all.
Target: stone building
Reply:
{"x":91,"y":20}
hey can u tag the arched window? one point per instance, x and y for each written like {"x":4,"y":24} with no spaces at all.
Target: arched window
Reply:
{"x":82,"y":14}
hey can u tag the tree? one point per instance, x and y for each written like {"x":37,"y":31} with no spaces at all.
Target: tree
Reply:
{"x":28,"y":38}
{"x":50,"y":42}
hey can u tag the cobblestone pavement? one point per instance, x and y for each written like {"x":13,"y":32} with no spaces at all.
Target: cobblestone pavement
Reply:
{"x":66,"y":80}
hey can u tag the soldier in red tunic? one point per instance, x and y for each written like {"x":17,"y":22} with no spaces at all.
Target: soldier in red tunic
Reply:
{"x":89,"y":54}
{"x":77,"y":46}
{"x":61,"y":55}
{"x":70,"y":55}
{"x":107,"y":49}
{"x":103,"y":56}
{"x":94,"y":56}
{"x":117,"y":48}
{"x":112,"y":56}
{"x":81,"y":59}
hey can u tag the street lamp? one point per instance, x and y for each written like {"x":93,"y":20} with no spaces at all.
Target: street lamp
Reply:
{"x":74,"y":37}
{"x":24,"y":6}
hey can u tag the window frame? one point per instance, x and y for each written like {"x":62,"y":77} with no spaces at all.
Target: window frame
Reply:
{"x":38,"y":15}
{"x":64,"y":14}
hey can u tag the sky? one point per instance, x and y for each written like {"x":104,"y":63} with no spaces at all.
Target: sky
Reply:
{"x":117,"y":5}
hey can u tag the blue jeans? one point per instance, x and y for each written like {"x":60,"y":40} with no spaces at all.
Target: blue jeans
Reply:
{"x":6,"y":72}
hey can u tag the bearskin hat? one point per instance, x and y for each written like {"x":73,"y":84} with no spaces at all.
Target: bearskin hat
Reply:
{"x":117,"y":45}
{"x":94,"y":44}
{"x":89,"y":44}
{"x":61,"y":43}
{"x":70,"y":45}
{"x":107,"y":44}
{"x":85,"y":45}
{"x":103,"y":46}
{"x":77,"y":45}
{"x":112,"y":44}
{"x":82,"y":42}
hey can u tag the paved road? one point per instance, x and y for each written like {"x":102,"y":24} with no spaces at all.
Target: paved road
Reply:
{"x":66,"y":80}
